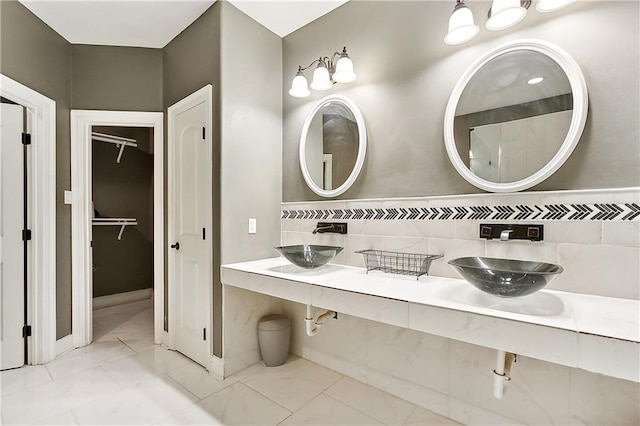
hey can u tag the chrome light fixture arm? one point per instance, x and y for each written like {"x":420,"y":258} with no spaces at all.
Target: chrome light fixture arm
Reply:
{"x":328,"y":72}
{"x":301,"y":68}
{"x":328,"y":62}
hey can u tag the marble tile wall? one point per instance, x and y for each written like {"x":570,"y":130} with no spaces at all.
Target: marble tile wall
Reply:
{"x":454,"y":379}
{"x":599,"y":250}
{"x":241,"y":312}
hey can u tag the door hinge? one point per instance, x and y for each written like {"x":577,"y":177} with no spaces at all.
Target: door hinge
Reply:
{"x":203,"y":233}
{"x":26,"y":331}
{"x":204,"y":334}
{"x":26,"y":139}
{"x":204,"y":133}
{"x":26,"y":234}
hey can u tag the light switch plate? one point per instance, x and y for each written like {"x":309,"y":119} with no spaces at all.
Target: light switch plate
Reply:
{"x":252,"y":225}
{"x":68,"y":197}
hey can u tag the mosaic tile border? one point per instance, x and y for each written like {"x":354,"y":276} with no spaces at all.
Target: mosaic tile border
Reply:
{"x":573,"y":212}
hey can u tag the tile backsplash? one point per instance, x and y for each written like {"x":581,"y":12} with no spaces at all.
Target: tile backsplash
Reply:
{"x":594,"y":235}
{"x":593,"y":212}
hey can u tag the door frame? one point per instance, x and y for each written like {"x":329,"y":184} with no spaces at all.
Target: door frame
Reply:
{"x":203,"y":95}
{"x":82,"y":122}
{"x":41,"y":289}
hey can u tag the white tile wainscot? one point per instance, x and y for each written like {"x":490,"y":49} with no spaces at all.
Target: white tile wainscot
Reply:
{"x":595,"y":333}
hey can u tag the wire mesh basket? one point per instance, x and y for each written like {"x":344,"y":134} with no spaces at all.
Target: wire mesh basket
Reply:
{"x":398,"y":263}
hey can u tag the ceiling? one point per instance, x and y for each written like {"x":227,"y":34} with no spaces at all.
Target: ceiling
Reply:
{"x":154,"y":23}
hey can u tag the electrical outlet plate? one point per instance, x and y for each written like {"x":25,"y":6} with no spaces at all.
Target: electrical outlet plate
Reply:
{"x":68,"y":197}
{"x":252,"y":225}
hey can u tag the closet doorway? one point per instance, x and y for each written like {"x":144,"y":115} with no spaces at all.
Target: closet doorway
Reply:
{"x":122,"y":219}
{"x":117,"y":214}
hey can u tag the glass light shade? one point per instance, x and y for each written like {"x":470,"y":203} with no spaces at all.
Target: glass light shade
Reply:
{"x":461,"y":26}
{"x":504,"y":14}
{"x":299,"y":87}
{"x":552,"y":5}
{"x":321,"y":79}
{"x":344,"y":71}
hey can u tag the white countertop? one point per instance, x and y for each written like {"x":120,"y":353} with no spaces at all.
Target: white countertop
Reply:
{"x":582,"y":313}
{"x":595,"y":333}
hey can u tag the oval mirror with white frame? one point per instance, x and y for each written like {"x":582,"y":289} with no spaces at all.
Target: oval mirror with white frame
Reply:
{"x":333,"y":145}
{"x":515,"y":116}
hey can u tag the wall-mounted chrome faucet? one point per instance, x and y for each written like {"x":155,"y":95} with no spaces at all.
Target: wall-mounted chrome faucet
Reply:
{"x":506,"y":232}
{"x":331,"y":227}
{"x":504,"y":235}
{"x":321,"y":229}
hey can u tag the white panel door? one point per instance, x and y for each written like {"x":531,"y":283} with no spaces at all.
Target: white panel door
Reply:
{"x":11,"y":245}
{"x":189,"y":233}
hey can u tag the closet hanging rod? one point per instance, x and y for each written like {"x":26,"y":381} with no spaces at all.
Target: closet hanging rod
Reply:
{"x":111,"y":220}
{"x":117,"y":221}
{"x":118,"y":140}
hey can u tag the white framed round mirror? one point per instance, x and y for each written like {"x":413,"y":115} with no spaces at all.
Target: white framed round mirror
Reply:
{"x":515,"y":116}
{"x":333,"y":145}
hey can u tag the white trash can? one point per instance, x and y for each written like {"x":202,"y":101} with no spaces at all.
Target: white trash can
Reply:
{"x":274,"y":336}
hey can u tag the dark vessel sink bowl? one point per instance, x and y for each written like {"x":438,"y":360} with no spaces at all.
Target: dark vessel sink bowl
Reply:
{"x":506,"y":277}
{"x":309,"y":256}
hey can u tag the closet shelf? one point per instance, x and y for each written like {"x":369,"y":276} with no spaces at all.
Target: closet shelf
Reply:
{"x":119,"y":141}
{"x":122,"y":222}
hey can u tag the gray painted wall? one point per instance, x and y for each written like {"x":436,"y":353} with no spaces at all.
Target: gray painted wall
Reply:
{"x":251,"y":173}
{"x":251,"y":156}
{"x":242,"y":60}
{"x":406,"y":74}
{"x":117,"y":78}
{"x":190,"y":62}
{"x":78,"y":77}
{"x":120,"y":78}
{"x":36,"y":56}
{"x":123,"y":189}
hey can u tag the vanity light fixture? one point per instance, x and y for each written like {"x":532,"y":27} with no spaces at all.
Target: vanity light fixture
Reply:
{"x":461,"y":25}
{"x":326,"y":74}
{"x":552,"y":5}
{"x":506,"y":13}
{"x":502,"y":14}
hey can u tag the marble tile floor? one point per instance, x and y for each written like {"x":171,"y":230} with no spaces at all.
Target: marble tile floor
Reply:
{"x":124,"y":378}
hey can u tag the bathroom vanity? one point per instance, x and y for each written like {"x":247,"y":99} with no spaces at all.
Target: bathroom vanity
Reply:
{"x":595,"y":333}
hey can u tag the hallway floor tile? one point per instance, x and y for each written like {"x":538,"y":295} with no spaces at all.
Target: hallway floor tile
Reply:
{"x":123,"y":378}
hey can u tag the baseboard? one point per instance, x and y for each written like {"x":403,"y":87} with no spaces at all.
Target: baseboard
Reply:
{"x":217,"y":367}
{"x":165,"y":340}
{"x":63,"y":345}
{"x":120,"y":298}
